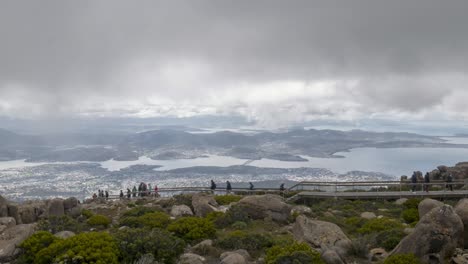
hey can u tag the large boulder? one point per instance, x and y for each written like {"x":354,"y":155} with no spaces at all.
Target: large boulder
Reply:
{"x":13,"y":212}
{"x":321,"y":235}
{"x":426,"y":205}
{"x":27,"y":214}
{"x":11,"y":238}
{"x":70,"y":203}
{"x":462,"y":211}
{"x":55,"y":207}
{"x":7,"y":221}
{"x":262,"y":206}
{"x":435,"y":237}
{"x":203,"y":204}
{"x":331,"y":257}
{"x":3,"y":207}
{"x":180,"y":210}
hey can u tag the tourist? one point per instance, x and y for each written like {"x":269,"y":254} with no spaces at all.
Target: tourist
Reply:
{"x":228,"y":187}
{"x":134,"y":191}
{"x":251,"y":186}
{"x":107,"y":195}
{"x":427,"y":180}
{"x":121,"y":195}
{"x":156,"y":194}
{"x":282,"y":187}
{"x":449,"y":182}
{"x":94,"y":196}
{"x":213,"y":186}
{"x":150,"y":189}
{"x":129,"y":193}
{"x":414,"y":181}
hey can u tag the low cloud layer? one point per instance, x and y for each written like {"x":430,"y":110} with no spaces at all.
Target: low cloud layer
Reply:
{"x":276,"y":62}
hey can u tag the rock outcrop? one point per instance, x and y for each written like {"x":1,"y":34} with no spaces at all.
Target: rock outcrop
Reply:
{"x":426,"y":205}
{"x":3,"y":207}
{"x":55,"y":207}
{"x":190,"y":258}
{"x":234,"y":257}
{"x":462,"y":211}
{"x":435,"y":237}
{"x":203,"y":204}
{"x":263,"y":206}
{"x":181,"y":210}
{"x":11,"y":238}
{"x":321,"y":235}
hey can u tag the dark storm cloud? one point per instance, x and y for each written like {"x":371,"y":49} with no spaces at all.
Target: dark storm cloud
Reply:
{"x":57,"y":54}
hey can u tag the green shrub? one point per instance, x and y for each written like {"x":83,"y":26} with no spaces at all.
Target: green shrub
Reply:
{"x":93,"y":247}
{"x":56,"y":224}
{"x":99,"y":220}
{"x":227,"y":199}
{"x":379,"y":224}
{"x":234,"y":214}
{"x":245,"y":240}
{"x":402,"y":259}
{"x":150,"y":220}
{"x":138,"y":211}
{"x":294,"y":253}
{"x":412,"y":203}
{"x":192,"y":228}
{"x":34,"y":244}
{"x":389,"y":239}
{"x":134,"y":243}
{"x":239,"y":225}
{"x":183,"y":199}
{"x":410,"y":215}
{"x":86,"y":213}
{"x":214,"y":216}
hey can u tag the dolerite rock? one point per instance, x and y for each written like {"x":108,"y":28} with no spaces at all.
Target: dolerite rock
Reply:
{"x":263,"y":206}
{"x":331,"y":257}
{"x":232,"y":258}
{"x":427,"y":205}
{"x":368,"y":215}
{"x":180,"y":210}
{"x":462,"y":211}
{"x":70,"y":203}
{"x":13,"y":212}
{"x":7,"y":221}
{"x":55,"y":207}
{"x":321,"y":235}
{"x":190,"y":258}
{"x":435,"y":237}
{"x":377,"y":254}
{"x":203,"y":204}
{"x":11,"y":238}
{"x":3,"y":207}
{"x":27,"y":214}
{"x":301,"y":209}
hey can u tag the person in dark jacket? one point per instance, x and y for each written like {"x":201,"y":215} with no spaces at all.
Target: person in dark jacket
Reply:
{"x":107,"y":195}
{"x":427,"y":180}
{"x":134,"y":191}
{"x":414,"y":181}
{"x":282,"y":187}
{"x":129,"y":193}
{"x":449,"y":182}
{"x":251,"y":186}
{"x":213,"y":186}
{"x":121,"y":195}
{"x":228,"y":187}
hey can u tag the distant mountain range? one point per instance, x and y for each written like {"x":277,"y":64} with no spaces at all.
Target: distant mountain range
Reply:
{"x":176,"y":144}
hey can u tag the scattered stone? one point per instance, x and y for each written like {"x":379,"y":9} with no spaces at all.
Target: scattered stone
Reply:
{"x":301,"y":209}
{"x":180,"y":210}
{"x":331,"y":257}
{"x":401,"y":201}
{"x":232,"y":258}
{"x":321,"y":235}
{"x":64,"y":234}
{"x":408,"y":230}
{"x":460,"y":256}
{"x":427,"y":205}
{"x":7,"y":221}
{"x":266,"y":206}
{"x":368,"y":215}
{"x":435,"y":237}
{"x":190,"y":258}
{"x":203,"y":204}
{"x":378,"y":254}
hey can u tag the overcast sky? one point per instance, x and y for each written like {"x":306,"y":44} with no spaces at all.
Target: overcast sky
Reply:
{"x":275,"y":62}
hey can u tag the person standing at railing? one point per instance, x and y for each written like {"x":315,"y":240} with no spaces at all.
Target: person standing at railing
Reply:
{"x":121,"y":195}
{"x":414,"y":181}
{"x":213,"y":186}
{"x":449,"y":182}
{"x":129,"y":193}
{"x":228,"y":187}
{"x":427,"y":180}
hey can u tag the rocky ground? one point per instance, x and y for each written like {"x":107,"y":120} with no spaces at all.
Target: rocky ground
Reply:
{"x":437,"y":233}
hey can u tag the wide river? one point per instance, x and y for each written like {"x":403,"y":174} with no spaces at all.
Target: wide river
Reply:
{"x":392,"y":161}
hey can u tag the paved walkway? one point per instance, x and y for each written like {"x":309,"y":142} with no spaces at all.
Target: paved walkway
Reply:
{"x":383,"y":195}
